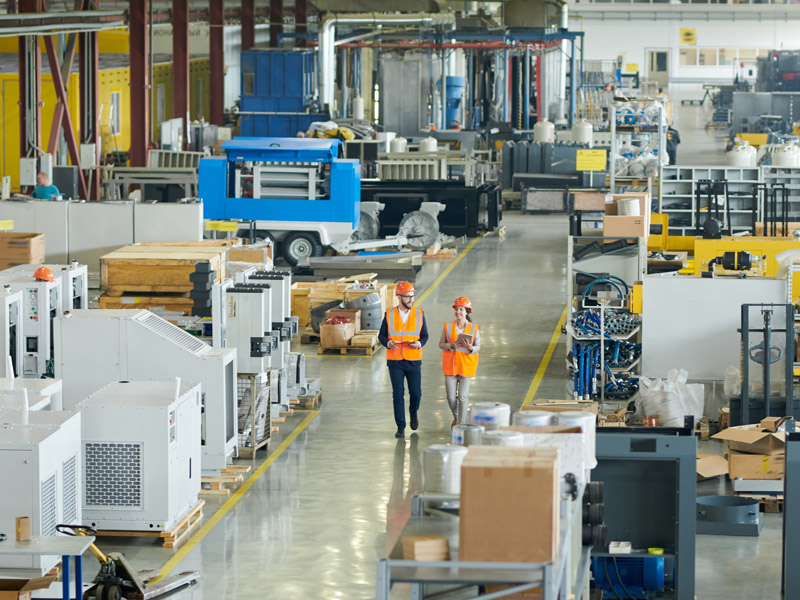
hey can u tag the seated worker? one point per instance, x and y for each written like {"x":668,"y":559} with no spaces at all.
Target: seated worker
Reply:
{"x":43,"y":190}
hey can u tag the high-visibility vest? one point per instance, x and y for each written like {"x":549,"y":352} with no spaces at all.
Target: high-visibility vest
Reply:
{"x":403,"y":333}
{"x":459,"y":361}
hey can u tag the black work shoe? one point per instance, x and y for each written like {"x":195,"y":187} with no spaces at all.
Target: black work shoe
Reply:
{"x":414,"y":422}
{"x":400,"y":433}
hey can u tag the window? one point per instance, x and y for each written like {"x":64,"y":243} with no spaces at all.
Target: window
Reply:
{"x":727,"y":56}
{"x":116,"y":106}
{"x":687,"y":57}
{"x":200,"y":105}
{"x":747,"y":54}
{"x":707,"y":56}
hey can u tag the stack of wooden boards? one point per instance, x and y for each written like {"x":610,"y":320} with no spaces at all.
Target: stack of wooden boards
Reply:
{"x":152,"y":275}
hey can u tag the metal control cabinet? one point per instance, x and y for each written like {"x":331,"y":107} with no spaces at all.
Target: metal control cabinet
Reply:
{"x":40,"y":462}
{"x":141,"y":454}
{"x":136,"y":345}
{"x":247,"y":327}
{"x":11,"y":335}
{"x":41,"y":303}
{"x":74,"y":282}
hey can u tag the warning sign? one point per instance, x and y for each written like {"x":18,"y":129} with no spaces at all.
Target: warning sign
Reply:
{"x":591,"y":160}
{"x":688,"y":36}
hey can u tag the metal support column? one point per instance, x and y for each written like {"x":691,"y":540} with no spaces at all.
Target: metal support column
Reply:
{"x":180,"y":64}
{"x":573,"y":82}
{"x":275,"y":22}
{"x":139,"y":82}
{"x":249,"y":24}
{"x":790,"y":583}
{"x":65,"y":118}
{"x":526,"y":84}
{"x":30,"y":88}
{"x":88,"y":70}
{"x":216,"y":18}
{"x":301,"y":17}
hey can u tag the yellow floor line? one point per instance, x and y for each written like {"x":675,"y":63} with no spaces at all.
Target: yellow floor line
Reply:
{"x":237,"y":495}
{"x":537,"y":379}
{"x":449,"y":268}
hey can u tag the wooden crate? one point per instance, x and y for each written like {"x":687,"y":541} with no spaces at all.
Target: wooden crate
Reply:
{"x":364,"y":339}
{"x":161,"y":268}
{"x":381,"y":290}
{"x":180,"y":303}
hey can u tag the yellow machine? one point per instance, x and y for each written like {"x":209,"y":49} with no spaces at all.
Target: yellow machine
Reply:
{"x":707,"y":250}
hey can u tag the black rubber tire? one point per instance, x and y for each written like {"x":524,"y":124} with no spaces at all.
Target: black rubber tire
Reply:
{"x":114,"y":592}
{"x":301,"y":244}
{"x":100,"y":592}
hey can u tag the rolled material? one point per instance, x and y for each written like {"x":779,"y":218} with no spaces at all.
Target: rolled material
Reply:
{"x":533,"y":418}
{"x":490,"y":414}
{"x":467,"y":434}
{"x":588,"y":423}
{"x":441,"y":468}
{"x":502,"y":437}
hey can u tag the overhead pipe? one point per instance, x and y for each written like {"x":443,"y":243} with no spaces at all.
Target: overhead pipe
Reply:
{"x":327,"y":38}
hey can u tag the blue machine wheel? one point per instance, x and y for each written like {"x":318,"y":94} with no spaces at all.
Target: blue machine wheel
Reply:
{"x":302,"y":244}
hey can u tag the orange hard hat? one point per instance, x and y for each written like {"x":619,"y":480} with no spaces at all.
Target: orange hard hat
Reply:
{"x":43,"y":274}
{"x":404,"y":287}
{"x":463,"y":301}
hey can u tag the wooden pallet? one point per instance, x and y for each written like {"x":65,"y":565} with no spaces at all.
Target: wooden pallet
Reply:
{"x":309,"y":336}
{"x":237,"y":469}
{"x":770,"y":503}
{"x":250,"y":451}
{"x":180,"y":303}
{"x":349,"y":350}
{"x":366,"y":338}
{"x":216,"y":484}
{"x":309,"y":402}
{"x":440,"y":254}
{"x":172,"y":538}
{"x":499,"y":232}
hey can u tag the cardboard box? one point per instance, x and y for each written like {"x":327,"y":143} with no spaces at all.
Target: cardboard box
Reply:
{"x":20,"y":589}
{"x":589,"y":201}
{"x":18,"y":248}
{"x":562,"y":405}
{"x":494,"y":527}
{"x":336,"y":336}
{"x":772,"y":423}
{"x":614,"y":226}
{"x":353,"y":314}
{"x":710,"y":465}
{"x":251,"y":254}
{"x":611,"y":202}
{"x":755,"y":466}
{"x":751,"y":439}
{"x":23,"y":529}
{"x":425,"y":547}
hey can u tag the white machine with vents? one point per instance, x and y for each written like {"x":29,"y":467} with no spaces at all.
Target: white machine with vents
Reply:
{"x":141,"y":454}
{"x":41,"y":304}
{"x":74,"y":282}
{"x":41,"y":467}
{"x":11,"y":334}
{"x":97,"y":347}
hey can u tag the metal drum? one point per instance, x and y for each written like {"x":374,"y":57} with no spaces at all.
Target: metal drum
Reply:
{"x":371,"y":310}
{"x":318,"y":313}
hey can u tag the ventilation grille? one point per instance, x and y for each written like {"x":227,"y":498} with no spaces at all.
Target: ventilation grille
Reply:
{"x":113,"y":474}
{"x":171,"y":332}
{"x":49,"y":506}
{"x":70,"y":481}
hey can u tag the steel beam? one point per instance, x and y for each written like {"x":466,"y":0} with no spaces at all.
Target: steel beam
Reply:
{"x":139,"y":82}
{"x":88,"y":71}
{"x":275,"y":22}
{"x":65,"y":71}
{"x":216,"y":50}
{"x":180,"y":65}
{"x":30,"y":89}
{"x":65,"y":117}
{"x":248,"y":17}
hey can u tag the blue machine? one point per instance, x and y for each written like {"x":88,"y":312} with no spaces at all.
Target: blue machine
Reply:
{"x":628,"y":576}
{"x":297,"y":190}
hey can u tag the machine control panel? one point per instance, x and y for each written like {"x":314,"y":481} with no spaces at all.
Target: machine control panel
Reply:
{"x":31,"y":304}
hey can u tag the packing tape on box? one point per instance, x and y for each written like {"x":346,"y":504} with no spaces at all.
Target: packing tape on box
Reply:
{"x":503,"y":438}
{"x":441,"y":468}
{"x":467,"y":434}
{"x":533,"y":418}
{"x":587,"y":421}
{"x":490,"y":414}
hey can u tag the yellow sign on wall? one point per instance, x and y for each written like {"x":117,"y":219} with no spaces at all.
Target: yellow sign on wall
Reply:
{"x":591,"y":160}
{"x":688,"y":36}
{"x":631,"y":67}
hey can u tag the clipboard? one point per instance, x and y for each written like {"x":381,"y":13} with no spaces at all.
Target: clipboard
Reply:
{"x":464,"y":337}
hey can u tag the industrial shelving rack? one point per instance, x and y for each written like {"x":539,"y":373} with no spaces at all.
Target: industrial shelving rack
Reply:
{"x":790,"y":177}
{"x":677,"y":195}
{"x":637,"y":132}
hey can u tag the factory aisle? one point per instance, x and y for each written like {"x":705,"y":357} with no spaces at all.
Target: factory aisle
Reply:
{"x":336,"y":498}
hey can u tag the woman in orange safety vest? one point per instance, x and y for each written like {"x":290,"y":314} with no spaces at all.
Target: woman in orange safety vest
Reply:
{"x":460,"y":344}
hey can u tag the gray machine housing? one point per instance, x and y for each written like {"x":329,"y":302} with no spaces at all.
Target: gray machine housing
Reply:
{"x":40,"y":462}
{"x":141,"y":454}
{"x":247,"y":327}
{"x":11,"y":334}
{"x":136,"y":345}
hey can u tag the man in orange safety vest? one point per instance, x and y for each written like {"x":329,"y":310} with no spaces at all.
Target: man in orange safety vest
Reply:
{"x":404,"y":333}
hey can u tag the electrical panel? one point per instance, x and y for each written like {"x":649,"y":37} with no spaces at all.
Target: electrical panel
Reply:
{"x":74,"y":282}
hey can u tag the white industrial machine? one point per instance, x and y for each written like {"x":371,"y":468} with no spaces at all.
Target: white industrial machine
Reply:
{"x":41,"y":467}
{"x":41,"y":304}
{"x":74,"y":282}
{"x":219,"y":312}
{"x":11,"y":333}
{"x":97,"y":347}
{"x":247,"y":327}
{"x":141,"y":454}
{"x":47,"y":388}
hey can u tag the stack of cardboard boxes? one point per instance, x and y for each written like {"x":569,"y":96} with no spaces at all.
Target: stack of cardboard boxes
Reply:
{"x":18,"y":248}
{"x":617,"y":225}
{"x":755,"y":452}
{"x":339,"y":335}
